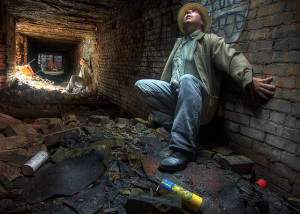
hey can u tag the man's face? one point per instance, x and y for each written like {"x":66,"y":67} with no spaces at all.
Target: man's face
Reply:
{"x":193,"y":16}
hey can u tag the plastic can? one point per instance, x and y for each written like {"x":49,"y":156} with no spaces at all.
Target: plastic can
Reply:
{"x":34,"y":163}
{"x":262,"y":183}
{"x":190,"y":200}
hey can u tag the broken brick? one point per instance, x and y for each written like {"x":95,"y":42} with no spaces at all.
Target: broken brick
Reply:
{"x":139,"y":202}
{"x":48,"y":121}
{"x":58,"y":127}
{"x":15,"y":157}
{"x":6,"y":121}
{"x":13,"y":142}
{"x":54,"y":139}
{"x":223,"y":150}
{"x":7,"y":173}
{"x":20,"y":129}
{"x":238,"y":163}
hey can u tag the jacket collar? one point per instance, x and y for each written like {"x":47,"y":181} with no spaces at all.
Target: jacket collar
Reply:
{"x":201,"y":34}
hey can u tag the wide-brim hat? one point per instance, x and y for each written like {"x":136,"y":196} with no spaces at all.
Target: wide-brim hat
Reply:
{"x":193,"y":6}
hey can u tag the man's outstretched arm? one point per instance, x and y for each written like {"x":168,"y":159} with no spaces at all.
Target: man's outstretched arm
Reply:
{"x":262,"y":87}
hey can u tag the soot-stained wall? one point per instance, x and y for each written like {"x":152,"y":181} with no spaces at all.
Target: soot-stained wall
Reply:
{"x":7,"y":47}
{"x":136,"y":43}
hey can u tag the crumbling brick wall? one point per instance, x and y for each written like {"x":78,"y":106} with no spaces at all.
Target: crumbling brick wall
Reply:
{"x":7,"y":45}
{"x":74,"y":55}
{"x":136,"y":44}
{"x":2,"y":52}
{"x":21,"y":49}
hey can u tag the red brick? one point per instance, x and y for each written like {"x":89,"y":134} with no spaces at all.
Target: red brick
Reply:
{"x":256,"y":158}
{"x":7,"y":173}
{"x":281,"y":143}
{"x":286,"y":82}
{"x":238,"y":163}
{"x":264,"y":33}
{"x":297,"y":85}
{"x":279,"y":69}
{"x":279,"y":181}
{"x":292,"y":5}
{"x":271,"y":9}
{"x":285,"y":172}
{"x":297,"y":70}
{"x":287,"y":31}
{"x":236,"y":148}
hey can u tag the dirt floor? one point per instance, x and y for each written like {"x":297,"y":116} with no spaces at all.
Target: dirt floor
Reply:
{"x":102,"y":161}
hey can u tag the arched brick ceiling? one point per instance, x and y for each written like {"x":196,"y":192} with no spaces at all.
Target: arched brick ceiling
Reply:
{"x":64,"y":21}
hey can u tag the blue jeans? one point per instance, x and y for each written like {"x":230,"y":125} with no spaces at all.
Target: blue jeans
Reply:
{"x":180,"y":109}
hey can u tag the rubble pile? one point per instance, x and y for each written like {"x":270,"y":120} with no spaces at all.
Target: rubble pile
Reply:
{"x":22,"y":101}
{"x":101,"y":164}
{"x":35,"y":81}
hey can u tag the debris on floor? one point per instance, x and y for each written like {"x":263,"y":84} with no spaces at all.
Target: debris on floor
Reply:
{"x":105,"y":164}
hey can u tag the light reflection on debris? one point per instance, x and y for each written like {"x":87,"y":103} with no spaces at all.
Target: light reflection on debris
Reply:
{"x":37,"y":82}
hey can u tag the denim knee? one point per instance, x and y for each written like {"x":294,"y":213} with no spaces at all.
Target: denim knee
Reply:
{"x":189,"y":82}
{"x":188,"y":79}
{"x":138,"y":86}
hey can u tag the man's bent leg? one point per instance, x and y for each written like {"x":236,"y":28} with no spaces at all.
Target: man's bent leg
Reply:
{"x":159,"y":97}
{"x":185,"y":130}
{"x":73,"y":81}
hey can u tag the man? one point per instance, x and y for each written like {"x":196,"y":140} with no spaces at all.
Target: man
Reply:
{"x":187,"y":95}
{"x":83,"y":79}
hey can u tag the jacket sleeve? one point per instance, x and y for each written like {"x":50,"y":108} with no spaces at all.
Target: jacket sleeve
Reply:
{"x":231,"y":61}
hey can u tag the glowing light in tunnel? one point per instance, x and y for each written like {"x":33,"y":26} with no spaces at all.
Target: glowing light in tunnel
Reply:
{"x":37,"y":82}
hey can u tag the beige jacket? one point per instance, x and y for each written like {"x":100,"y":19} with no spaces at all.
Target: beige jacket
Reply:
{"x":85,"y":74}
{"x":211,"y":56}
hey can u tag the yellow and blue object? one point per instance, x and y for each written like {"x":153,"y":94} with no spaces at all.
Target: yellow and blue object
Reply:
{"x":190,"y":200}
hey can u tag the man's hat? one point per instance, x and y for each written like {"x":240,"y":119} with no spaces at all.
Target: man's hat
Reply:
{"x":84,"y":59}
{"x":193,"y":6}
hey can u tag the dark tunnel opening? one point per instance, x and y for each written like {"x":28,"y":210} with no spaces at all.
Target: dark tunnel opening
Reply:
{"x":54,"y":59}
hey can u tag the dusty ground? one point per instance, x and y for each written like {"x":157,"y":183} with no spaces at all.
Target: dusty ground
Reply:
{"x":109,"y":162}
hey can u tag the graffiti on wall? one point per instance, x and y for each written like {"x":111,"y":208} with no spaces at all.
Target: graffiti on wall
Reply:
{"x":87,"y":49}
{"x":228,"y":17}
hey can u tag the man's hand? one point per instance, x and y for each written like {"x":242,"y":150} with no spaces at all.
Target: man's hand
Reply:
{"x":261,"y":87}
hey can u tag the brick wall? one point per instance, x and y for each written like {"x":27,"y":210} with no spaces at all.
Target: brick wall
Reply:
{"x":74,"y":55}
{"x":268,"y":132}
{"x":135,"y":45}
{"x":21,"y":49}
{"x":2,"y":52}
{"x":7,"y":45}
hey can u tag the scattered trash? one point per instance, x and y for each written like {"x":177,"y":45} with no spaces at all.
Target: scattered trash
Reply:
{"x":190,"y":200}
{"x":54,"y":140}
{"x":139,"y":202}
{"x":88,"y":200}
{"x":262,"y":183}
{"x":34,"y":163}
{"x":79,"y":179}
{"x":65,"y":178}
